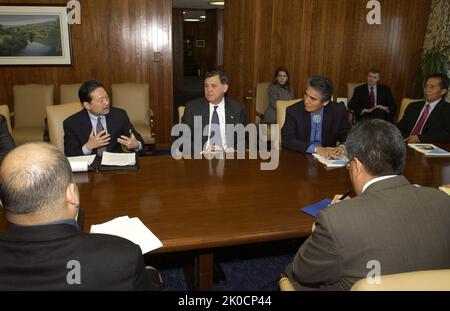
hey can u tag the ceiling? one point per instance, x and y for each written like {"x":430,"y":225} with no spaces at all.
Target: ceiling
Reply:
{"x":194,"y":4}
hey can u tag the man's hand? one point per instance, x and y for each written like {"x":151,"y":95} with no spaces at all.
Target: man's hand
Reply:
{"x":382,"y":107}
{"x":337,"y":198}
{"x":129,"y":143}
{"x":413,"y":139}
{"x":365,"y":110}
{"x":96,"y":141}
{"x":332,"y":153}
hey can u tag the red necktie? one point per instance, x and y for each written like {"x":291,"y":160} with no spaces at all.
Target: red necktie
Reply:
{"x":418,"y":128}
{"x":372,"y":97}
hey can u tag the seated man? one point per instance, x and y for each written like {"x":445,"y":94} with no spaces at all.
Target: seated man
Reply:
{"x":6,"y":141}
{"x":99,"y":127}
{"x":43,"y":248}
{"x":215,"y":111}
{"x":428,"y":121}
{"x":372,"y":100}
{"x":399,"y":226}
{"x":316,"y":124}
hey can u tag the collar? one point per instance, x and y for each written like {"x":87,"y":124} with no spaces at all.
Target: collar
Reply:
{"x":377,"y":179}
{"x":221,"y":104}
{"x":433,"y":104}
{"x":94,"y":117}
{"x":39,"y":233}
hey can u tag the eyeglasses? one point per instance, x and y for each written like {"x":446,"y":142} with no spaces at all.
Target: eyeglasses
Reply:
{"x":347,"y":165}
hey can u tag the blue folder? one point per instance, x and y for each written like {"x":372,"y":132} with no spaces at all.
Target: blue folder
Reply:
{"x":313,"y":209}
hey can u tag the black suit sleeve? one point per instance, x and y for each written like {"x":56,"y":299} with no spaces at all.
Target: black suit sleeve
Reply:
{"x":126,"y":131}
{"x":6,"y":141}
{"x":344,"y":125}
{"x":72,"y":145}
{"x":143,"y":279}
{"x":356,"y":103}
{"x":288,"y":133}
{"x":440,"y":130}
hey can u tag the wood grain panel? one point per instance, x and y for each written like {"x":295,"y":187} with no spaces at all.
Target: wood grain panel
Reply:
{"x":330,"y":38}
{"x":115,"y":43}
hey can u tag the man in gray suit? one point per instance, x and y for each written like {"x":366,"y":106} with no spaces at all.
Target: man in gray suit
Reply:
{"x":391,"y":226}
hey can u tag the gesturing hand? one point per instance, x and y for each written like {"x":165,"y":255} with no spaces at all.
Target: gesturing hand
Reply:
{"x":96,"y":141}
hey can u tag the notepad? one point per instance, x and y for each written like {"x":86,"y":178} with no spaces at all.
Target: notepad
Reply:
{"x":131,"y":229}
{"x":430,"y":150}
{"x":81,"y":163}
{"x":331,"y":163}
{"x":118,"y":159}
{"x":315,"y":208}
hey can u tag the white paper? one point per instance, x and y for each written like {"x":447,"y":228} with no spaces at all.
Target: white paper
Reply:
{"x":118,"y":159}
{"x":131,"y":229}
{"x":331,"y":163}
{"x":87,"y":158}
{"x":80,"y":164}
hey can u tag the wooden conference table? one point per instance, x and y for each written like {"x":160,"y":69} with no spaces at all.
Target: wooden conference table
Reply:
{"x":199,"y":205}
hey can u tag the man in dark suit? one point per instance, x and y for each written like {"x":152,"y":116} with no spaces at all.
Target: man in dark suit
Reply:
{"x":6,"y":141}
{"x":391,"y":226}
{"x":99,"y":127}
{"x":372,"y":100}
{"x":216,"y":112}
{"x":428,"y":121}
{"x":316,"y":124}
{"x":43,"y":248}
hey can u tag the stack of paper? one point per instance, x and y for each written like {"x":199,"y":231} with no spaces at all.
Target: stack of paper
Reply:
{"x":331,"y":163}
{"x":80,"y":164}
{"x":131,"y":229}
{"x":445,"y":188}
{"x":430,"y":150}
{"x":118,"y":159}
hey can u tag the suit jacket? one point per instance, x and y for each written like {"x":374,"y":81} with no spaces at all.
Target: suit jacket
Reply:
{"x":37,"y":257}
{"x":235,"y":113}
{"x":6,"y":141}
{"x":296,"y":131}
{"x":78,"y":127}
{"x":361,"y":100}
{"x":403,"y":227}
{"x":437,"y":127}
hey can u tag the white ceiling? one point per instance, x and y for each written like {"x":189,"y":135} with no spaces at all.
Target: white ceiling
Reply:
{"x":194,"y":4}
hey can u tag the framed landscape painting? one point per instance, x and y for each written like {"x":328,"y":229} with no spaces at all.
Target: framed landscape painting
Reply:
{"x":34,"y":35}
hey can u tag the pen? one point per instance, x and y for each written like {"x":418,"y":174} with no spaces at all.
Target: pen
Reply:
{"x":345,"y":195}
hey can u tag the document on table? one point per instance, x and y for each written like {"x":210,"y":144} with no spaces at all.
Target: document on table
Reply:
{"x":131,"y":229}
{"x":331,"y":163}
{"x":81,"y":163}
{"x":118,"y":159}
{"x":315,"y":208}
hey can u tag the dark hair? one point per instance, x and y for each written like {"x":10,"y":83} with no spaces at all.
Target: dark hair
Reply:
{"x":222,"y":77}
{"x":378,"y":145}
{"x":444,"y":79}
{"x":322,"y":85}
{"x":375,"y":70}
{"x":84,"y":93}
{"x":27,"y":188}
{"x":283,"y":69}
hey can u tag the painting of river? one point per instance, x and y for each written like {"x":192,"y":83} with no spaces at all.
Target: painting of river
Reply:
{"x":30,"y":35}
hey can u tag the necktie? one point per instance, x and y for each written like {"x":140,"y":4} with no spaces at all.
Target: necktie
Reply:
{"x":372,"y":97}
{"x":418,"y":128}
{"x":99,"y":128}
{"x":215,"y":128}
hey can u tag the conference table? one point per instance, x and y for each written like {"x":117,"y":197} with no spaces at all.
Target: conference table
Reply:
{"x":197,"y":206}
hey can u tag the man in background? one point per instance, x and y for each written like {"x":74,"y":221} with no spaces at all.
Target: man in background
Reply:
{"x":99,"y":127}
{"x":428,"y":121}
{"x":372,"y":100}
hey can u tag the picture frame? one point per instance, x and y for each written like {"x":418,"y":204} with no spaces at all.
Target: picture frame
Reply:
{"x":34,"y":35}
{"x":200,"y":43}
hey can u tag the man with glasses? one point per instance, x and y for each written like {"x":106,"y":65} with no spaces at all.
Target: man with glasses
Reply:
{"x":99,"y":127}
{"x":428,"y":121}
{"x":391,"y":224}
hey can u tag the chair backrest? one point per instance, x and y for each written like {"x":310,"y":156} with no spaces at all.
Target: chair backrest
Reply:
{"x":134,"y":99}
{"x":68,"y":93}
{"x":262,"y":100}
{"x":30,"y":101}
{"x":4,"y":110}
{"x":430,"y":280}
{"x":281,"y":117}
{"x":404,"y":105}
{"x":351,"y":88}
{"x":55,"y":117}
{"x":180,"y":113}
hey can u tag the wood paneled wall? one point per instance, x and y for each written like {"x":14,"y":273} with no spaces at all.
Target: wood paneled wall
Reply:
{"x":115,"y":43}
{"x":330,"y":38}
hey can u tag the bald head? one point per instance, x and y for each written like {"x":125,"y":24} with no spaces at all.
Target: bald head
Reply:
{"x":33,"y":180}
